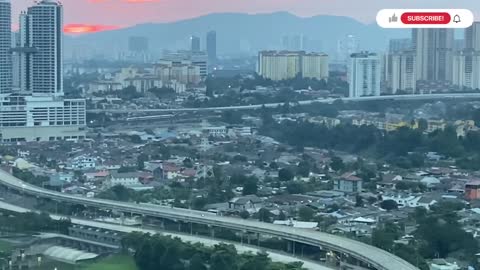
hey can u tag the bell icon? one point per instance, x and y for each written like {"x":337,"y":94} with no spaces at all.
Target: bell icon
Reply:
{"x":456,"y":19}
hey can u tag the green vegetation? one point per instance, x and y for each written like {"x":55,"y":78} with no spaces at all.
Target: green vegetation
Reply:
{"x":5,"y":246}
{"x":33,"y":222}
{"x":152,"y":251}
{"x":438,"y":235}
{"x":404,"y":147}
{"x":116,"y":262}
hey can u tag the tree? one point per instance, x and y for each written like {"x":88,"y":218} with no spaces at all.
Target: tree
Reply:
{"x":337,"y":164}
{"x":359,"y":201}
{"x":296,"y":188}
{"x":244,"y":214}
{"x":389,"y":205}
{"x":304,"y":168}
{"x":285,"y":175}
{"x":197,"y":263}
{"x":306,"y":213}
{"x":264,"y":215}
{"x":141,"y":159}
{"x":224,"y":257}
{"x":250,"y":187}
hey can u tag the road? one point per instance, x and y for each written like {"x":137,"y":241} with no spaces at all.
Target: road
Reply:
{"x":275,"y":256}
{"x":304,"y":102}
{"x":380,"y":259}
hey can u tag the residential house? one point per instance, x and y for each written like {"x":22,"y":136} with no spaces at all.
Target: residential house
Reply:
{"x":250,"y":203}
{"x":348,"y":183}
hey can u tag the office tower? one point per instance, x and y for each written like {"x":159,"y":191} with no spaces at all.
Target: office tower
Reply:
{"x":281,"y":65}
{"x":472,"y":37}
{"x":402,"y":72}
{"x":399,"y":45}
{"x":212,"y":46}
{"x":434,"y":53}
{"x":364,"y":74}
{"x":5,"y":46}
{"x":195,"y":44}
{"x":138,"y":44}
{"x":44,"y":22}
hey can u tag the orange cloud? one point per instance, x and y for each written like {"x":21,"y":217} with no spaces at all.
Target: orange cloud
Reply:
{"x":87,"y":28}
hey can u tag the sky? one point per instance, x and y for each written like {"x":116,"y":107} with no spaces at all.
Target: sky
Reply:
{"x":83,"y":16}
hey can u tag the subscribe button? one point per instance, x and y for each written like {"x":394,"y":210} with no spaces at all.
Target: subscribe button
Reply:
{"x":421,"y":18}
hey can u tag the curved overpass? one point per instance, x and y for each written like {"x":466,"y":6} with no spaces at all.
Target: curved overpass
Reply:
{"x":376,"y":257}
{"x":303,"y":102}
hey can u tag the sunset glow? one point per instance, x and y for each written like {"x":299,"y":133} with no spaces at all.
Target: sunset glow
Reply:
{"x":87,"y":28}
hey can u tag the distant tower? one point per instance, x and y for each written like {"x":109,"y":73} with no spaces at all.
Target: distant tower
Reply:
{"x":434,"y":53}
{"x":212,"y":46}
{"x":5,"y":46}
{"x":45,"y":33}
{"x":195,"y":44}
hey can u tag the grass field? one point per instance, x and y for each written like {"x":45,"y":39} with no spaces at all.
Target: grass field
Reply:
{"x":5,"y":246}
{"x":116,"y":262}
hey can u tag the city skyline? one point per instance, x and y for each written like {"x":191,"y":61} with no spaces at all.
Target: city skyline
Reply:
{"x":85,"y":16}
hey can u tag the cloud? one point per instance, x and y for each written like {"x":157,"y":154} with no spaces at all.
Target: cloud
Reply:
{"x":87,"y":28}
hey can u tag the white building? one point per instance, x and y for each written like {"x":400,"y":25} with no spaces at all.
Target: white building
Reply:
{"x":402,"y":75}
{"x":364,"y":74}
{"x":315,"y":65}
{"x":5,"y":46}
{"x":45,"y":32}
{"x":123,"y":179}
{"x":466,"y":69}
{"x":40,"y":113}
{"x":199,"y":59}
{"x":35,"y":118}
{"x":185,"y":72}
{"x":281,"y":65}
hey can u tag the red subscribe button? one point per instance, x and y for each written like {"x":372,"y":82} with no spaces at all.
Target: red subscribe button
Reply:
{"x":426,"y":18}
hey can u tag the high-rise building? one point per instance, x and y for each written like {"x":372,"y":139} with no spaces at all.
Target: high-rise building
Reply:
{"x":399,"y":45}
{"x":281,"y":65}
{"x":44,"y":22}
{"x":364,"y":74}
{"x":466,"y":62}
{"x":402,"y":74}
{"x":138,"y":44}
{"x":434,"y":53}
{"x":315,"y":66}
{"x":195,"y":44}
{"x":39,"y":112}
{"x":466,"y":69}
{"x":294,"y":42}
{"x":472,"y":37}
{"x":212,"y":46}
{"x":5,"y":46}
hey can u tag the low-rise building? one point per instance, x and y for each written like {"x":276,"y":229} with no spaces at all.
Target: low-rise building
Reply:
{"x":130,"y":179}
{"x":348,"y":183}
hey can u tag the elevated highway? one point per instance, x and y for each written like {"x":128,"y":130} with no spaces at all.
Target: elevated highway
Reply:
{"x":375,"y":257}
{"x":304,"y":102}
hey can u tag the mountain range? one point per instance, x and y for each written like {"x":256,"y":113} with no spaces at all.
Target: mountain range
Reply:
{"x":238,"y":33}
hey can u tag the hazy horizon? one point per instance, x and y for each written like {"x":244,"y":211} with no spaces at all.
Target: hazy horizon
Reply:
{"x":96,"y":15}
